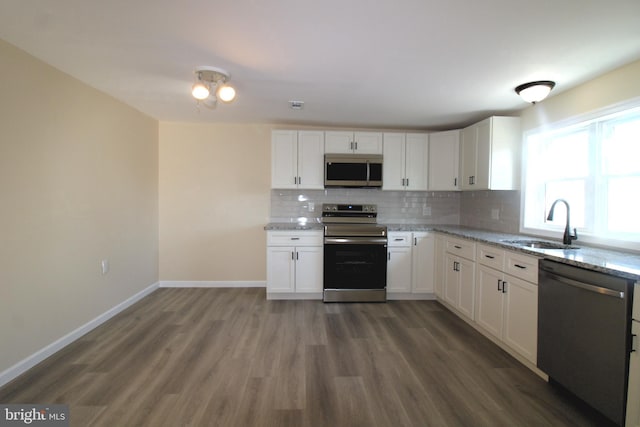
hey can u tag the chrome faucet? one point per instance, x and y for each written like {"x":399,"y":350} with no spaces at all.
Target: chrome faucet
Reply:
{"x":567,"y":237}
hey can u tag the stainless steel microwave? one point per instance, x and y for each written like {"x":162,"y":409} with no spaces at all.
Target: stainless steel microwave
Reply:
{"x":353,"y":170}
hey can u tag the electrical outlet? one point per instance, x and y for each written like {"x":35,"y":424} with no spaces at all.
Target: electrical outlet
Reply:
{"x":426,"y":210}
{"x":312,"y":207}
{"x":495,"y":213}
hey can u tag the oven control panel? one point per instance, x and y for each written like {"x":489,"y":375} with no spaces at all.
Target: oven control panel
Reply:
{"x":346,"y":208}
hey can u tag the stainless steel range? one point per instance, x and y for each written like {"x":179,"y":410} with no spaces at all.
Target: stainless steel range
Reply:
{"x":355,"y":254}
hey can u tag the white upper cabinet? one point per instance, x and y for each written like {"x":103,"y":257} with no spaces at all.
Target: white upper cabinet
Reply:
{"x":444,"y":149}
{"x":490,"y":154}
{"x":406,"y":158}
{"x":342,"y":142}
{"x":297,"y":159}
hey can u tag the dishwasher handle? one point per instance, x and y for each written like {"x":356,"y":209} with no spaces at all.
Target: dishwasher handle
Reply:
{"x":586,"y":286}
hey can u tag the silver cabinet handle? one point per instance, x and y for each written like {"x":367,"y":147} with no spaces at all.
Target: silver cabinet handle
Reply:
{"x":295,"y":238}
{"x":587,"y":287}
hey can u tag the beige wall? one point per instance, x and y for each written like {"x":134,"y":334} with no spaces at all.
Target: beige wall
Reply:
{"x":614,"y":87}
{"x":214,"y":201}
{"x":78,"y":184}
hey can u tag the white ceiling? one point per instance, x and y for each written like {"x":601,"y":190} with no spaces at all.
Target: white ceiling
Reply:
{"x":415,"y":64}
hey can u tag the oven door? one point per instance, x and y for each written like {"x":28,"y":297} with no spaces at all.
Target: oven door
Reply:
{"x":355,"y":263}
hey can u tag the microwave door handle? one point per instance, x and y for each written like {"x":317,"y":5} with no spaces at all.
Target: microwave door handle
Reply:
{"x":368,"y":172}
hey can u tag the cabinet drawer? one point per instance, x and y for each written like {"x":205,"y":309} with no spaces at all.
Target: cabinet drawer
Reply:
{"x":491,"y":257}
{"x":400,"y":238}
{"x":522,"y":266}
{"x":463,"y":248}
{"x":297,"y":238}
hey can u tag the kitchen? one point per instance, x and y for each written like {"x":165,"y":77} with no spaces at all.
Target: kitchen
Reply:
{"x":210,"y":235}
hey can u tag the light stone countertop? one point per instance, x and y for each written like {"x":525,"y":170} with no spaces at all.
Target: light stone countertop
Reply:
{"x":619,"y":263}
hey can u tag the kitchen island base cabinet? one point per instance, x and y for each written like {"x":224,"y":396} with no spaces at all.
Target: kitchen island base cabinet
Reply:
{"x":294,"y":272}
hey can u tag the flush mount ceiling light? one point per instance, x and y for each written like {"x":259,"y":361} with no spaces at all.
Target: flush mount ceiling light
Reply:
{"x":535,"y":91}
{"x":211,"y":85}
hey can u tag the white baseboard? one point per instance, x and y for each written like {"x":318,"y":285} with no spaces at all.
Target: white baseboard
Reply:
{"x":37,"y":357}
{"x":211,"y":284}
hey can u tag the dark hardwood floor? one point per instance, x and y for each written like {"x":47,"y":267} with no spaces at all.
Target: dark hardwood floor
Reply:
{"x":228,"y":357}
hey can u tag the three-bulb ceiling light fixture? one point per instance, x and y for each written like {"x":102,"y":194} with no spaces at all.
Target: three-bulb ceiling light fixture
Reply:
{"x":535,"y":91}
{"x":211,"y":85}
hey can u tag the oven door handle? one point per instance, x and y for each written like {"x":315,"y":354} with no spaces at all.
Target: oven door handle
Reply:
{"x":355,"y":241}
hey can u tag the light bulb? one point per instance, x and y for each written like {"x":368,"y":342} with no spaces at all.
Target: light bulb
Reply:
{"x":200,"y":91}
{"x":226,"y":93}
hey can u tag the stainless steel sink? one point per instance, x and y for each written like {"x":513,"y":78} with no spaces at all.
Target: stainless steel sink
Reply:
{"x":538,"y":244}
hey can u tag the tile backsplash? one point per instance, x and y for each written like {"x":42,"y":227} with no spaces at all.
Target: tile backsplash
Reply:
{"x":489,"y":210}
{"x":405,"y":207}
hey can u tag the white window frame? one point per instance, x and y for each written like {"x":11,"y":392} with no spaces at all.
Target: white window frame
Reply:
{"x":554,"y":231}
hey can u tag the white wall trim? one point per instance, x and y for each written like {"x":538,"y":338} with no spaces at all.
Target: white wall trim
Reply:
{"x":212,"y":284}
{"x":19,"y":368}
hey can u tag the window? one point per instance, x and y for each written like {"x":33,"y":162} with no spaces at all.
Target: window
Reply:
{"x":594,"y":165}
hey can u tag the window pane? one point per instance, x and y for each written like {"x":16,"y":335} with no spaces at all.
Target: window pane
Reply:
{"x":621,"y":150}
{"x":623,"y":205}
{"x":566,"y":156}
{"x":571,"y":191}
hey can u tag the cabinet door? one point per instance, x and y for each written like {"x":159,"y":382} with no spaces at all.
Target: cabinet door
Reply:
{"x":521,"y":317}
{"x":423,"y":263}
{"x":280,"y":269}
{"x":444,"y":159}
{"x":393,"y":177}
{"x":468,"y":147}
{"x":451,"y":280}
{"x":368,"y":142}
{"x":309,"y":269}
{"x":338,"y":142}
{"x":467,"y":287}
{"x":399,"y":269}
{"x":439,"y":279}
{"x":483,"y":155}
{"x":284,"y":159}
{"x":311,"y":160}
{"x":489,"y":301}
{"x":633,"y":395}
{"x":416,"y":161}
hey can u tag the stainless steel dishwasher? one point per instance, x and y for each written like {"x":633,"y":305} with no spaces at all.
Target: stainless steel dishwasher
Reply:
{"x":584,"y":334}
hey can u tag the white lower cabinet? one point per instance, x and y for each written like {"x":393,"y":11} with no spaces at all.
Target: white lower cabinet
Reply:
{"x":294,"y":264}
{"x":439,"y":268}
{"x":399,"y":269}
{"x":423,"y":263}
{"x":506,"y":305}
{"x":459,"y":275}
{"x":410,"y":262}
